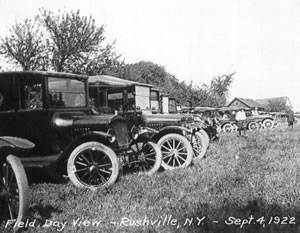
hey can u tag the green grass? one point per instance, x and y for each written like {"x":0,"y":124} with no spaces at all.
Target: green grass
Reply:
{"x":240,"y":177}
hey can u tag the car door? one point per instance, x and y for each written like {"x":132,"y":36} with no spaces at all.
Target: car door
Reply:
{"x":32,"y":118}
{"x":8,"y":105}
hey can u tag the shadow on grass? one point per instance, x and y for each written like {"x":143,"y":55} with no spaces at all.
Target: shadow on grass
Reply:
{"x":44,"y":212}
{"x":256,"y":216}
{"x":43,"y":175}
{"x":38,"y":215}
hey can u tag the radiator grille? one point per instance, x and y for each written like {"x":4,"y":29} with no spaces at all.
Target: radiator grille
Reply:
{"x":121,"y":130}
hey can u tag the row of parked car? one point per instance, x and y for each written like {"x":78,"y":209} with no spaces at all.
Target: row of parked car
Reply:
{"x":89,"y":129}
{"x":224,"y":118}
{"x":254,"y":119}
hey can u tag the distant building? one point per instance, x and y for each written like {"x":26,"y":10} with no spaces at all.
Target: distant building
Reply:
{"x":245,"y":103}
{"x":261,"y":104}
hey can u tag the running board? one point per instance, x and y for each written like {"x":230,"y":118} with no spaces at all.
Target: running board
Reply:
{"x":40,"y":161}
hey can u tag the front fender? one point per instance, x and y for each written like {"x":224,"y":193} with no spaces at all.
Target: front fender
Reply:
{"x":13,"y":145}
{"x":171,"y":129}
{"x":99,"y":133}
{"x":15,"y":142}
{"x":145,"y":130}
{"x":174,"y":127}
{"x":89,"y":136}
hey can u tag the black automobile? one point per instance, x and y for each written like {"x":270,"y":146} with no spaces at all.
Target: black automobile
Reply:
{"x":51,"y":109}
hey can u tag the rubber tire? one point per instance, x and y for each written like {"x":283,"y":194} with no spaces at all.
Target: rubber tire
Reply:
{"x":185,"y":143}
{"x":266,"y":121}
{"x":206,"y":137}
{"x":260,"y":126}
{"x":158,"y":158}
{"x":22,"y":183}
{"x":252,"y":123}
{"x":104,"y":149}
{"x":204,"y":146}
{"x":229,"y":126}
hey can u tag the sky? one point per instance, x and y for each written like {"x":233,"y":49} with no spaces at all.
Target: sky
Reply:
{"x":196,"y":40}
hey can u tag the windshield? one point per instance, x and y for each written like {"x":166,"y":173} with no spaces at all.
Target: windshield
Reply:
{"x":66,"y":92}
{"x":116,"y":100}
{"x":172,"y":106}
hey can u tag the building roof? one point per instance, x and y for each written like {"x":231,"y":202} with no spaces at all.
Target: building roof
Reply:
{"x":107,"y":80}
{"x":250,"y":103}
{"x":284,"y":99}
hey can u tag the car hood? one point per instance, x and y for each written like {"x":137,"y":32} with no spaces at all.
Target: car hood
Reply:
{"x":93,"y":119}
{"x":263,"y":116}
{"x":163,"y":117}
{"x":69,"y":119}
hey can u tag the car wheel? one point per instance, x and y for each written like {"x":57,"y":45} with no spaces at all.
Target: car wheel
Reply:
{"x":259,"y":124}
{"x":252,"y":125}
{"x":177,"y":151}
{"x":15,"y":188}
{"x":199,"y":145}
{"x":93,"y":165}
{"x":235,"y":127}
{"x":228,"y":128}
{"x":147,"y":155}
{"x":268,"y":124}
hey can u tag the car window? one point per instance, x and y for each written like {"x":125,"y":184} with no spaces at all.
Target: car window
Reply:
{"x":6,"y":94}
{"x":66,"y":92}
{"x":31,"y":93}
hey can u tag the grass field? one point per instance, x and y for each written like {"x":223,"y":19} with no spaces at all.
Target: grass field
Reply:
{"x":243,"y":185}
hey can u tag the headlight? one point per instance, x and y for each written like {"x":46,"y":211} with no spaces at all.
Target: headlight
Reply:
{"x":112,"y":135}
{"x":134,"y":132}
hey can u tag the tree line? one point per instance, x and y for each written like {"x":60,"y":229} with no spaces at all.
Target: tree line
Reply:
{"x":70,"y":42}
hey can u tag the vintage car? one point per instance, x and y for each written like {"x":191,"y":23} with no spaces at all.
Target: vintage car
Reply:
{"x":227,"y":121}
{"x":14,"y":191}
{"x":206,"y":116}
{"x":253,"y":122}
{"x":171,"y":131}
{"x":166,"y":105}
{"x":280,"y":118}
{"x":264,"y":120}
{"x":51,"y":109}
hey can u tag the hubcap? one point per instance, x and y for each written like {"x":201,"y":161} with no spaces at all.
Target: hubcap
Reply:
{"x":144,"y":157}
{"x":92,"y":167}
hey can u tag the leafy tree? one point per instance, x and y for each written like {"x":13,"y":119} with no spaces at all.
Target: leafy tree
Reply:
{"x":65,"y":41}
{"x":24,"y":46}
{"x":276,"y":105}
{"x":151,"y":73}
{"x":75,"y":43}
{"x":218,"y":89}
{"x":215,"y":94}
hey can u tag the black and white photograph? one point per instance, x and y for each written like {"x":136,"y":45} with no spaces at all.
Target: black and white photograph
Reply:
{"x":133,"y":116}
